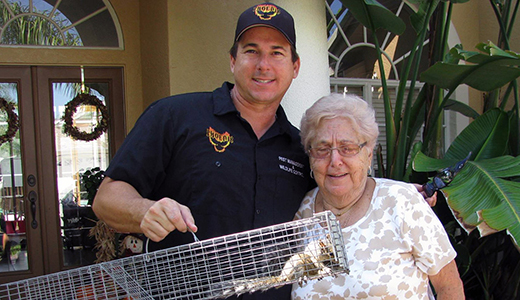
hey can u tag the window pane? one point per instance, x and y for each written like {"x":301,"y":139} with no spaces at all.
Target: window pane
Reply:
{"x":12,"y":212}
{"x":57,"y":23}
{"x":75,"y":160}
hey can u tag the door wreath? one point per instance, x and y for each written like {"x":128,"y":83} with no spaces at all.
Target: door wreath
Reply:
{"x":70,"y":109}
{"x":12,"y":121}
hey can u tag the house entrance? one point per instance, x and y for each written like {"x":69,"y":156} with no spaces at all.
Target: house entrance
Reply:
{"x":47,"y":166}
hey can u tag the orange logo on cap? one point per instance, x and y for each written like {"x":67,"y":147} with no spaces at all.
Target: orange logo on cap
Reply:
{"x":220,"y":141}
{"x":266,"y":11}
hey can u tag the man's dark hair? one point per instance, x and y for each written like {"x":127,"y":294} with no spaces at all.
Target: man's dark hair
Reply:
{"x":234,"y":49}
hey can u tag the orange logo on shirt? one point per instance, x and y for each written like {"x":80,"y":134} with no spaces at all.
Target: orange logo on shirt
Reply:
{"x":219,"y":140}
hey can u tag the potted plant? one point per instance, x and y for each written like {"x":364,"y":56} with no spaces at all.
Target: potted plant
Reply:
{"x":90,"y":181}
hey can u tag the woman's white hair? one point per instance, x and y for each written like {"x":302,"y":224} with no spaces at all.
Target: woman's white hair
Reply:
{"x":350,"y":107}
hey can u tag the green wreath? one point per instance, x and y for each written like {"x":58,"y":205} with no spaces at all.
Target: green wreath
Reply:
{"x":12,"y":121}
{"x":70,"y":109}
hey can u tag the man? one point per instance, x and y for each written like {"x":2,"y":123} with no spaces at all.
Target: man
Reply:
{"x":227,"y":161}
{"x":216,"y":163}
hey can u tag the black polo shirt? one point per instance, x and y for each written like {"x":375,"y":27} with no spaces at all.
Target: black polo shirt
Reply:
{"x":195,"y":148}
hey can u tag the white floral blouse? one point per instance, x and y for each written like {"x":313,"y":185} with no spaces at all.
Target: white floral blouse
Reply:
{"x":390,"y":251}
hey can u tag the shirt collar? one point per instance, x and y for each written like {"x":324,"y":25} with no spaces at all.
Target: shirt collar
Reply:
{"x":223,"y":104}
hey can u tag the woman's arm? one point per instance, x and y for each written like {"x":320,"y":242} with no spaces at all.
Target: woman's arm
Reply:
{"x":447,"y":283}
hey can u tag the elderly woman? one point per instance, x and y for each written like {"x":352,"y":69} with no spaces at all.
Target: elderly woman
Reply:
{"x":395,"y":244}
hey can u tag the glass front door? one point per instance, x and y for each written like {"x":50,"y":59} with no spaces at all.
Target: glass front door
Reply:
{"x":20,"y":203}
{"x":46,"y":174}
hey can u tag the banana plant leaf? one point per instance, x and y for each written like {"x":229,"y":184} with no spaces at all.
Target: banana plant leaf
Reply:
{"x":487,"y":70}
{"x":486,"y":137}
{"x":421,"y":16}
{"x":461,"y":108}
{"x":480,"y":196}
{"x":373,"y":15}
{"x":483,"y":195}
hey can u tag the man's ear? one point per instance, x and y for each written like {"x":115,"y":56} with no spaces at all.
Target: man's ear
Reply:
{"x":232,"y":63}
{"x":296,"y":65}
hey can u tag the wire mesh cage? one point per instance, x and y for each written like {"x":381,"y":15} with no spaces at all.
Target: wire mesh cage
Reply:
{"x":244,"y":262}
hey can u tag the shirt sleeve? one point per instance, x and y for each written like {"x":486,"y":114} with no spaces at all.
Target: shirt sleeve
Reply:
{"x":422,"y":230}
{"x":145,"y":152}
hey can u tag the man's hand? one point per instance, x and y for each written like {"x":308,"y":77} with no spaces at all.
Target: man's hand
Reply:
{"x":125,"y":210}
{"x":165,"y":216}
{"x":431,"y":200}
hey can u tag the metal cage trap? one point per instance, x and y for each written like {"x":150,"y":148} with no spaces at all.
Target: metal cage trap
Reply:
{"x":235,"y":264}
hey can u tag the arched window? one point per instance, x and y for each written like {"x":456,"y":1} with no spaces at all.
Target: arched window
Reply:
{"x":59,"y":23}
{"x":351,"y":51}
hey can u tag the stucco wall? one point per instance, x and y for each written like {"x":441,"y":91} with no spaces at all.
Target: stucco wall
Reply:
{"x":155,"y":51}
{"x":313,"y":81}
{"x":200,"y":35}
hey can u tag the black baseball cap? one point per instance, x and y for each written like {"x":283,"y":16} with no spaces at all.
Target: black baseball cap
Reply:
{"x":270,"y":15}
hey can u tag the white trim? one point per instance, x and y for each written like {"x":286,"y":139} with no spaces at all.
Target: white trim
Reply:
{"x":117,"y":24}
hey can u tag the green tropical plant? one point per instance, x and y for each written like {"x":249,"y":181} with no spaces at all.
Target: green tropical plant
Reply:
{"x":487,"y":70}
{"x":494,"y":167}
{"x":411,"y":111}
{"x":485,"y":194}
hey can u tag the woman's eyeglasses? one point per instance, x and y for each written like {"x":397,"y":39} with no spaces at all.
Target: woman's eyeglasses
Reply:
{"x":347,"y":150}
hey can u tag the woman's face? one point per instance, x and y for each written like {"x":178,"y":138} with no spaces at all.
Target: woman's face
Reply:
{"x":336,"y":175}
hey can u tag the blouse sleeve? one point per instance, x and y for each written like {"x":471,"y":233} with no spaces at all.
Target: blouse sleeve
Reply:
{"x":423,"y":231}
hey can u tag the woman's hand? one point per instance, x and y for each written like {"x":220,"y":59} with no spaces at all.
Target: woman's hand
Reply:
{"x":430,"y":200}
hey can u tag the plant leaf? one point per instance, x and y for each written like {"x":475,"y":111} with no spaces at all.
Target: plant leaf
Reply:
{"x":420,"y":17}
{"x":373,"y":15}
{"x":424,"y":163}
{"x":461,"y":108}
{"x":489,"y":70}
{"x":486,"y":137}
{"x":480,"y":196}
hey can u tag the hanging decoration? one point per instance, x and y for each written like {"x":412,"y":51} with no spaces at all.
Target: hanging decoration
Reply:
{"x":12,"y":121}
{"x":83,"y":98}
{"x":70,"y":109}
